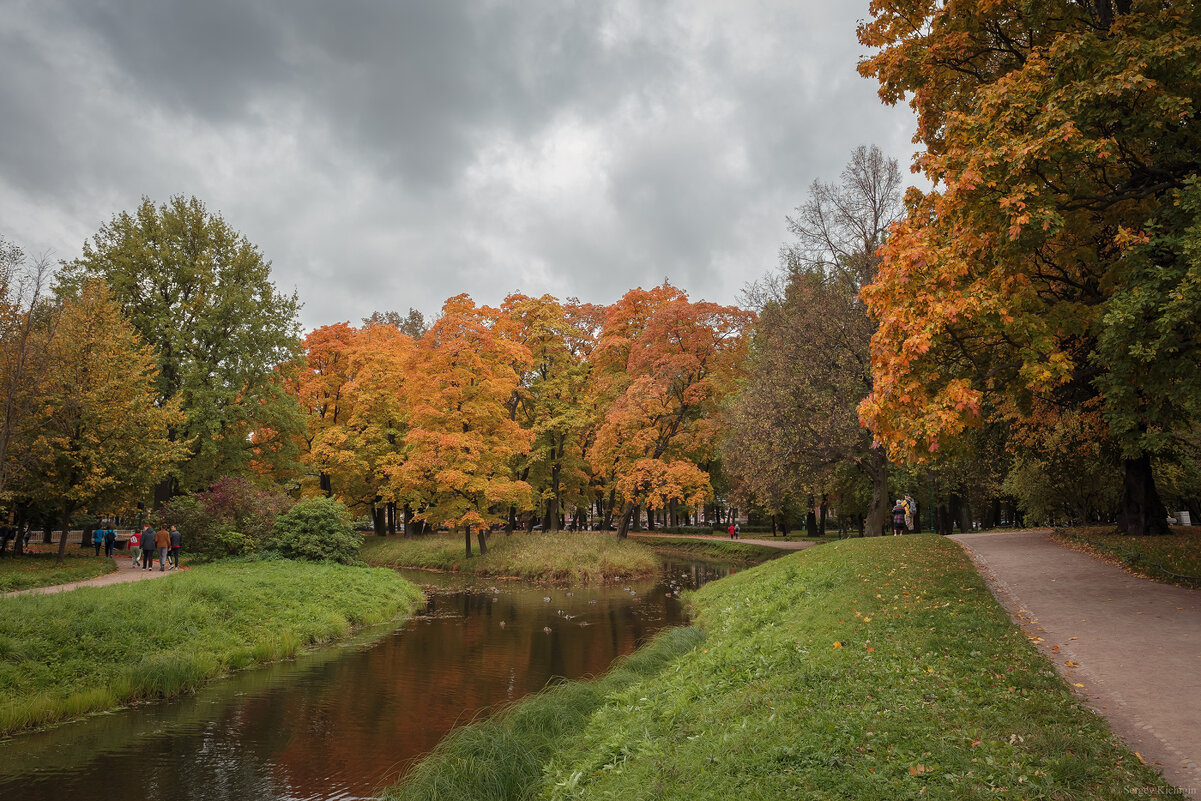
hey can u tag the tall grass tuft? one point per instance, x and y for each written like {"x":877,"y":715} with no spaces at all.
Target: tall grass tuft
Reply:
{"x":93,"y":649}
{"x":577,"y":558}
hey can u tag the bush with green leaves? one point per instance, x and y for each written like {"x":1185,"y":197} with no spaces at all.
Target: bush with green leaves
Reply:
{"x":318,"y":529}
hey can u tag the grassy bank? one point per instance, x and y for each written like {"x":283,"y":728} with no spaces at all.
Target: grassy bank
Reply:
{"x":864,"y":669}
{"x":1174,"y":558}
{"x":37,"y":569}
{"x":724,"y":550}
{"x":557,"y":556}
{"x":62,"y":656}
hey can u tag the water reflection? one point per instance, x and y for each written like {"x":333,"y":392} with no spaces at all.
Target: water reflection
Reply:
{"x":340,"y":722}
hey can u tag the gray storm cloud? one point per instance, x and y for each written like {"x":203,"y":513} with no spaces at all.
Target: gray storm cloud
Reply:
{"x":387,"y":155}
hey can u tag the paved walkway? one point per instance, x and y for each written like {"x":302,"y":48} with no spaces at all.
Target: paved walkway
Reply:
{"x":783,"y":545}
{"x":1134,"y":644}
{"x":123,"y":574}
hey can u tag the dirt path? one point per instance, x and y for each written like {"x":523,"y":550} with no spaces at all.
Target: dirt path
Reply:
{"x":783,"y":545}
{"x":123,"y":574}
{"x":1133,"y":644}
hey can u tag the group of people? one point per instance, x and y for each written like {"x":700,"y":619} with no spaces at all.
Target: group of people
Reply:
{"x":163,"y":542}
{"x":106,"y":537}
{"x":903,"y":516}
{"x":12,"y":533}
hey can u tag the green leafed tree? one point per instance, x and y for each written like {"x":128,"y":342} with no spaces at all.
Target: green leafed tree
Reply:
{"x":201,"y":295}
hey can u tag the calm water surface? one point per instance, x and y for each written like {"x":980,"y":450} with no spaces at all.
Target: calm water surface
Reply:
{"x":340,"y":722}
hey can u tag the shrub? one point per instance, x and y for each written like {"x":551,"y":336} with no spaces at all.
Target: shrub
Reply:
{"x":231,"y":518}
{"x":318,"y":529}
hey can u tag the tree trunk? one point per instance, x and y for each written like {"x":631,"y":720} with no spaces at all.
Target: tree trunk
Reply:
{"x":378,"y":524}
{"x":327,"y":485}
{"x":811,"y":519}
{"x":164,"y":491}
{"x":821,"y":520}
{"x":623,"y":526}
{"x":68,"y":510}
{"x":408,"y":521}
{"x":1142,"y":513}
{"x":482,"y":540}
{"x":650,"y":519}
{"x":467,"y":539}
{"x":512,"y":526}
{"x":880,"y":508}
{"x":391,"y":507}
{"x":608,"y":525}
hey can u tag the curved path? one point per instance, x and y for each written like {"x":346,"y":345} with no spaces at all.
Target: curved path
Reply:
{"x":1131,"y":646}
{"x":783,"y":545}
{"x":123,"y":574}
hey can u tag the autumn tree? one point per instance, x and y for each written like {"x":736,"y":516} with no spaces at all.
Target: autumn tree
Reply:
{"x":1052,"y":266}
{"x":796,"y":419}
{"x":385,"y":386}
{"x":462,"y":438}
{"x":200,"y":294}
{"x":320,"y":382}
{"x":548,"y":401}
{"x":681,"y":359}
{"x":26,"y":325}
{"x":102,"y":435}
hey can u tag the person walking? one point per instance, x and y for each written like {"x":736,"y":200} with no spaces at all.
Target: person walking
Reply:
{"x":898,"y":519}
{"x":176,"y":542}
{"x":98,"y":538}
{"x":134,"y":550}
{"x":731,"y":529}
{"x":737,"y":531}
{"x":110,"y":539}
{"x":162,"y":541}
{"x":147,"y":541}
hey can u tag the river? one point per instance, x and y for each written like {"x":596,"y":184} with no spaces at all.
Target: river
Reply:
{"x":342,"y":721}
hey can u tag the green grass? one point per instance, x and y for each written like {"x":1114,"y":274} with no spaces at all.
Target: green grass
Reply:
{"x":875,"y":668}
{"x":578,"y":558}
{"x":92,"y":649}
{"x":727,"y":550}
{"x":1174,"y":558}
{"x":503,"y":757}
{"x":40,"y":569}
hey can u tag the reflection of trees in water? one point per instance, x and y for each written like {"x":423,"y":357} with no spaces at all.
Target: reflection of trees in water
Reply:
{"x":341,"y":720}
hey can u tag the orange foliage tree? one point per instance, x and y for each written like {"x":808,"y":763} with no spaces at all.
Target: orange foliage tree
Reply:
{"x":462,"y":438}
{"x":1044,"y":271}
{"x":680,"y":360}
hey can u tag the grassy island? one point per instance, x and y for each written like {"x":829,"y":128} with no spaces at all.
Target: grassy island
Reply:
{"x":92,"y":649}
{"x":864,"y":669}
{"x":580,"y":558}
{"x":41,"y":569}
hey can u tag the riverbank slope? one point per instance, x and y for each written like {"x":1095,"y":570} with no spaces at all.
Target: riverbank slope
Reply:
{"x":67,"y":655}
{"x":864,"y":669}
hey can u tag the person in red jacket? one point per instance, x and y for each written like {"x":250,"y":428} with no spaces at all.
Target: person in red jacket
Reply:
{"x":134,"y":549}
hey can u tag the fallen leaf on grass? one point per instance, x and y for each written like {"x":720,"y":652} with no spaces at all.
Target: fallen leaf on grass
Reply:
{"x":837,"y":644}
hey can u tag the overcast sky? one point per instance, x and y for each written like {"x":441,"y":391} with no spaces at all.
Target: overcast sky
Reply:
{"x":390,"y":154}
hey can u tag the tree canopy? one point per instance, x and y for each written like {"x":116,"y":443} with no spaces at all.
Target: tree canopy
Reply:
{"x":1050,"y":268}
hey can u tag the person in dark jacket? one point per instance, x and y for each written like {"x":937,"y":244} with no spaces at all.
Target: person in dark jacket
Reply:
{"x":176,"y":542}
{"x":98,"y":538}
{"x":147,"y":543}
{"x":898,"y":519}
{"x":110,"y":539}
